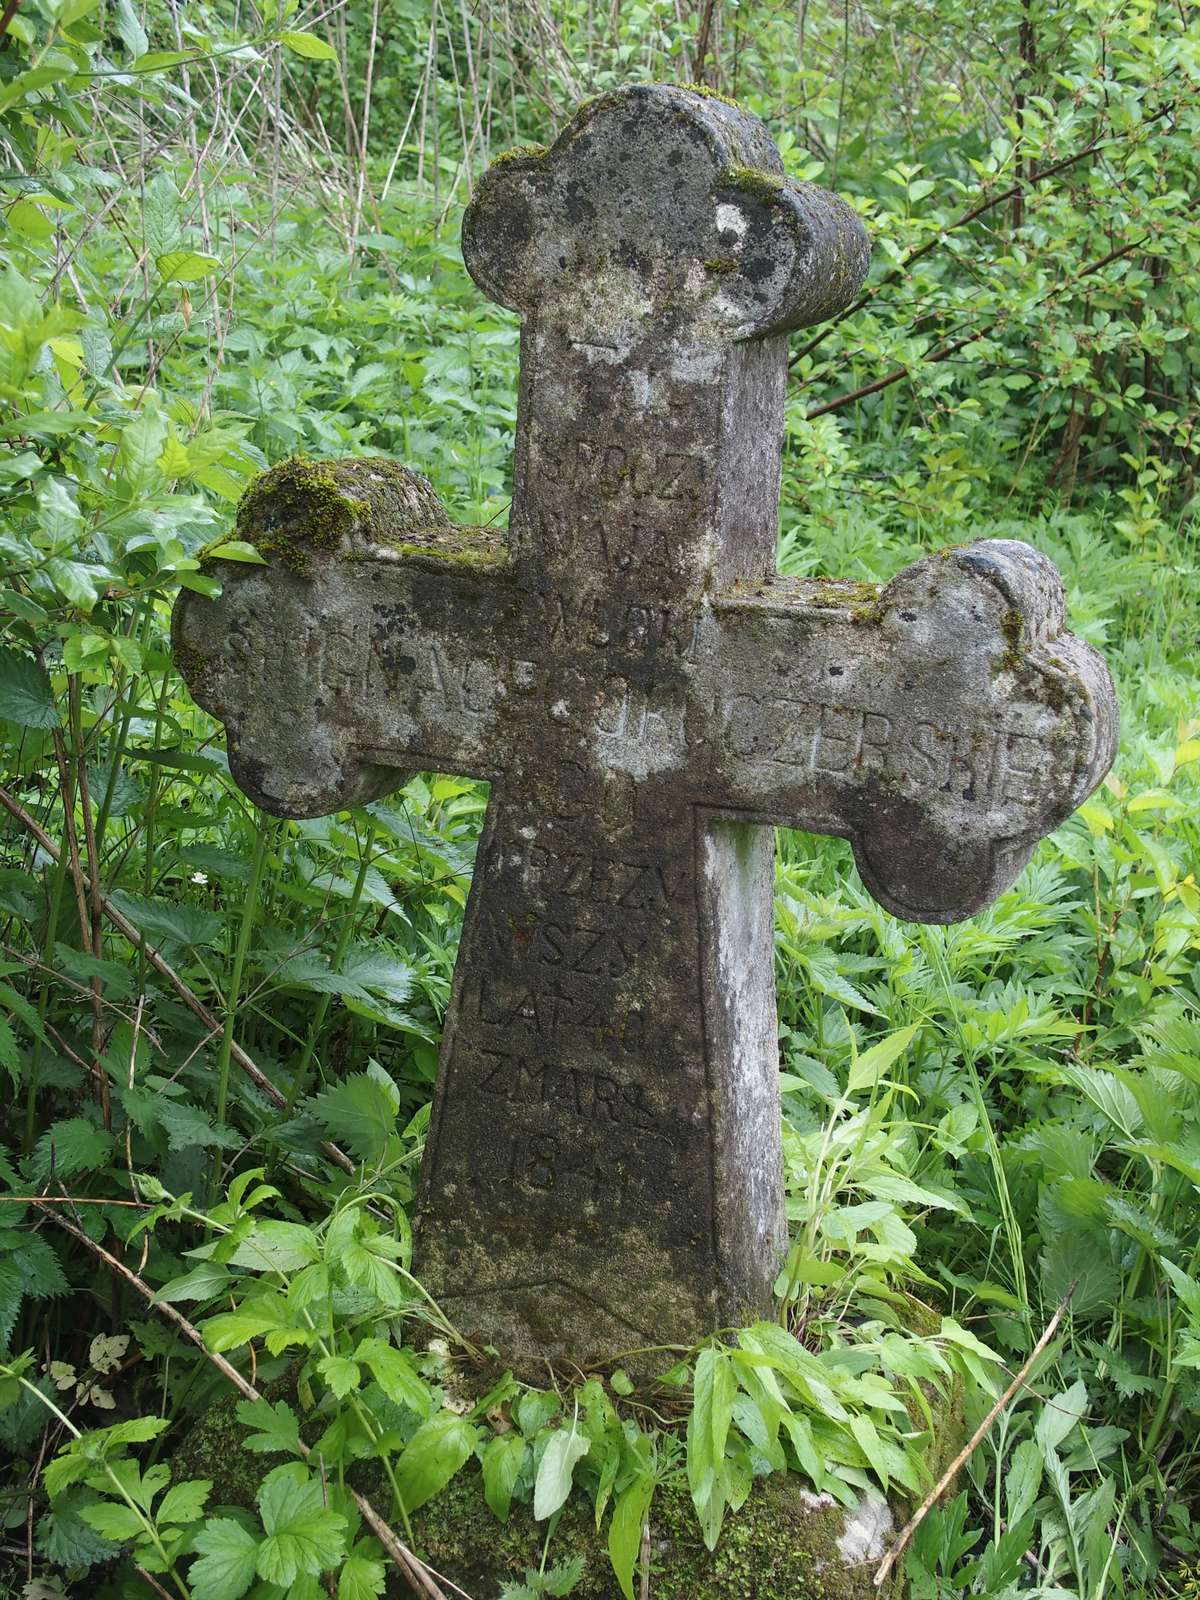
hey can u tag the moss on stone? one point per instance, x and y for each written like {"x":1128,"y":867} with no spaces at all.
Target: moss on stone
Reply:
{"x":711,"y":94}
{"x":758,"y":185}
{"x":519,"y":152}
{"x":781,"y":1545}
{"x":1012,"y":626}
{"x":303,"y":512}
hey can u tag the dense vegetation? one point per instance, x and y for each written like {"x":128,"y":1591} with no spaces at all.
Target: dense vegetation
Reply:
{"x":231,"y":236}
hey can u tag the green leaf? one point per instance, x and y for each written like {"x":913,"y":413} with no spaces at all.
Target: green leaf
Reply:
{"x":26,"y":696}
{"x":69,"y":1147}
{"x":228,"y":1558}
{"x":236,"y":550}
{"x":1185,"y":1287}
{"x":183,"y":1502}
{"x":303,"y":1536}
{"x":64,"y":1537}
{"x":713,"y":1391}
{"x":432,"y":1456}
{"x":552,"y":1485}
{"x":341,"y":1374}
{"x":167,"y":919}
{"x":502,"y":1462}
{"x":395,"y":1375}
{"x":868,"y":1067}
{"x":361,"y":1579}
{"x":309,"y":46}
{"x":1059,"y":1417}
{"x":116,"y":1522}
{"x":279,"y":1431}
{"x":359,"y":1113}
{"x":204,"y":1282}
{"x":625,"y":1530}
{"x":185,"y":266}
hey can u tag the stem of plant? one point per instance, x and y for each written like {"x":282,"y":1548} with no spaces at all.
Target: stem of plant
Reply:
{"x":249,"y":911}
{"x":300,"y":1076}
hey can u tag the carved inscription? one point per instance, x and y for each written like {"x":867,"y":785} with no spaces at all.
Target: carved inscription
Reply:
{"x":646,"y":471}
{"x":581,"y":1013}
{"x":982,"y":764}
{"x":587,"y":1093}
{"x":606,"y":880}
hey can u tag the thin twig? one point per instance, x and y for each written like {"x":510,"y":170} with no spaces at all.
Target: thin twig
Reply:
{"x":931,"y":1499}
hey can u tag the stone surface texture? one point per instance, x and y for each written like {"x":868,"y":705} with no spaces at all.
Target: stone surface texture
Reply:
{"x":646,"y":696}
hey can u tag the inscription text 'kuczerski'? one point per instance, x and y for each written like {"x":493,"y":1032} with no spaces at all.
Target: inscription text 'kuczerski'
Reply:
{"x":647,"y":696}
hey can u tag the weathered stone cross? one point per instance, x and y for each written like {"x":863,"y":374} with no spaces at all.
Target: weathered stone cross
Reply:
{"x":646,"y":696}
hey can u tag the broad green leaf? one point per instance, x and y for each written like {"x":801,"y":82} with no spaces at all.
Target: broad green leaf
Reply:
{"x":26,"y":696}
{"x":185,"y":266}
{"x":565,"y":1447}
{"x":204,"y":1282}
{"x":236,"y":550}
{"x":228,"y":1555}
{"x":120,"y":1523}
{"x":713,"y":1390}
{"x":625,"y":1530}
{"x":162,"y":919}
{"x":1059,"y":1417}
{"x":341,"y":1375}
{"x":308,"y":45}
{"x":303,"y":1535}
{"x":502,"y":1461}
{"x":432,"y":1456}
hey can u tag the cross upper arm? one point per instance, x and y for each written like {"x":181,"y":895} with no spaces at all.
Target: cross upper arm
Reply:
{"x":942,"y":724}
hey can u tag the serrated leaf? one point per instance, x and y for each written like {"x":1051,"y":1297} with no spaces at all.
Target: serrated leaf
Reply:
{"x":341,"y":1375}
{"x":359,"y":1113}
{"x":432,"y":1456}
{"x":64,"y":1537}
{"x":303,"y":1535}
{"x":118,"y":1523}
{"x":395,"y":1375}
{"x":26,"y":696}
{"x":69,"y":1147}
{"x":278,"y":1429}
{"x":183,"y":1502}
{"x":162,"y":919}
{"x":361,"y":1578}
{"x":228,"y":1555}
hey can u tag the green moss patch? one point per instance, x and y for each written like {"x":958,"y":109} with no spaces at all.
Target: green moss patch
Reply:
{"x":302,"y":512}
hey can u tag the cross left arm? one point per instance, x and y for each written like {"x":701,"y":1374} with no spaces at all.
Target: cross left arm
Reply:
{"x":943,"y":724}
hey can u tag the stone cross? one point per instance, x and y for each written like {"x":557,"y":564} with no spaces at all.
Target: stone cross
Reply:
{"x":646,"y":696}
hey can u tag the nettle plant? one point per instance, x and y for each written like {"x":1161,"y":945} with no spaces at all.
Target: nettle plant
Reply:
{"x":373,"y":1385}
